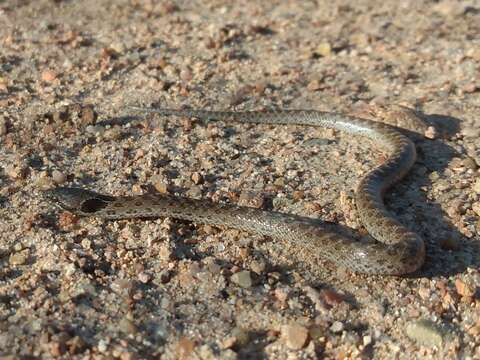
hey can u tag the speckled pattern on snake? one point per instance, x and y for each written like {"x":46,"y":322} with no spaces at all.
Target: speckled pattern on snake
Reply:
{"x":396,"y":251}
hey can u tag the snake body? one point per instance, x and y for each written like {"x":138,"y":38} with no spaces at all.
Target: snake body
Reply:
{"x":397,"y":250}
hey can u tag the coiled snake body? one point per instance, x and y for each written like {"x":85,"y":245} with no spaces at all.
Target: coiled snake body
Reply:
{"x":397,"y":250}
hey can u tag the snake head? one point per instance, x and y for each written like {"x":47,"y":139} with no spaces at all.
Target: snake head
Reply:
{"x":78,"y":201}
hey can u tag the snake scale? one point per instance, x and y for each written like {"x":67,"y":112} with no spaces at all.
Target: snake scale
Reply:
{"x":396,"y":251}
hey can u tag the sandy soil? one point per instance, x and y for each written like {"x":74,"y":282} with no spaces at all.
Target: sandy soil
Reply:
{"x":92,"y":289}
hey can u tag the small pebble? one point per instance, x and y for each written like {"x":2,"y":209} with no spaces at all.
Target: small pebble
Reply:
{"x":89,"y":116}
{"x":469,"y":163}
{"x":16,"y":172}
{"x":260,"y":87}
{"x":76,"y":345}
{"x":163,"y":276}
{"x":316,"y":332}
{"x":161,"y":187}
{"x":295,"y":336}
{"x":102,"y":345}
{"x":476,"y":186}
{"x":49,"y":76}
{"x":464,"y":289}
{"x":122,"y":286}
{"x":84,"y":287}
{"x":248,"y":198}
{"x":127,"y":355}
{"x":474,"y":53}
{"x":430,"y":133}
{"x":186,"y":74}
{"x":475,"y":329}
{"x":185,"y":347}
{"x":324,"y":49}
{"x":241,"y":336}
{"x":471,"y":88}
{"x":298,"y":195}
{"x":360,"y":39}
{"x":4,"y":83}
{"x":197,"y":178}
{"x":454,"y":209}
{"x":144,"y":277}
{"x":242,"y":278}
{"x":434,"y":176}
{"x":95,"y":129}
{"x":331,"y":297}
{"x":56,"y":349}
{"x":476,"y":208}
{"x":314,"y":85}
{"x":471,"y":132}
{"x":281,"y":294}
{"x":86,"y":243}
{"x":227,"y":343}
{"x":19,"y":258}
{"x":214,"y":268}
{"x":66,"y":220}
{"x":337,"y":327}
{"x":69,"y":269}
{"x":127,"y":326}
{"x":258,"y":266}
{"x":425,"y":332}
{"x":367,"y":340}
{"x":58,"y":177}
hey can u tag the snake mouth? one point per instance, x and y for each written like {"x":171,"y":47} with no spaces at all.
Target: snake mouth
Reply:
{"x":93,"y":205}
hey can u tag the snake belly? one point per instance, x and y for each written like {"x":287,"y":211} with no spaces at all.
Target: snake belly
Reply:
{"x":396,"y":251}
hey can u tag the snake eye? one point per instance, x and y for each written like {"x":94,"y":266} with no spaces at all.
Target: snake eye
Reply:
{"x":93,"y":205}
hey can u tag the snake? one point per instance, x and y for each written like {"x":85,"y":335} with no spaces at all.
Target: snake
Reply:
{"x":392,"y":249}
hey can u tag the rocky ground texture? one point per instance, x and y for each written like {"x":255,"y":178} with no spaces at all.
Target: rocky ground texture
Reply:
{"x":92,"y":289}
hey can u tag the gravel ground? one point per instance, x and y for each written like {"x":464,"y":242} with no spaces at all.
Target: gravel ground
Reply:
{"x":91,"y":289}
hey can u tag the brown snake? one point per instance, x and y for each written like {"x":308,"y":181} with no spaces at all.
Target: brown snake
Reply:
{"x":397,"y":250}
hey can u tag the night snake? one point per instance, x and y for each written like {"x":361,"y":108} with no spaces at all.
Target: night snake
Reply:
{"x":397,"y":250}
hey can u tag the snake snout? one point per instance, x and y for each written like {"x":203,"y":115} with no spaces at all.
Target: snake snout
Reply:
{"x":77,"y":200}
{"x":66,"y":198}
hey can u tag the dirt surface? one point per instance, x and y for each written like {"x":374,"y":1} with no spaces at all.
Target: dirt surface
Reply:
{"x":92,"y":289}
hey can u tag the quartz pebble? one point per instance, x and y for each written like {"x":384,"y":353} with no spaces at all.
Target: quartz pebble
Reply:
{"x":314,"y":85}
{"x":19,"y":258}
{"x":337,"y":327}
{"x":242,"y":278}
{"x":258,"y":266}
{"x":184,"y":348}
{"x":324,"y":49}
{"x":476,"y":186}
{"x":295,"y":336}
{"x":127,"y":326}
{"x":476,"y":208}
{"x":425,"y":332}
{"x":464,"y":289}
{"x":49,"y":75}
{"x":197,"y":178}
{"x":58,"y":177}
